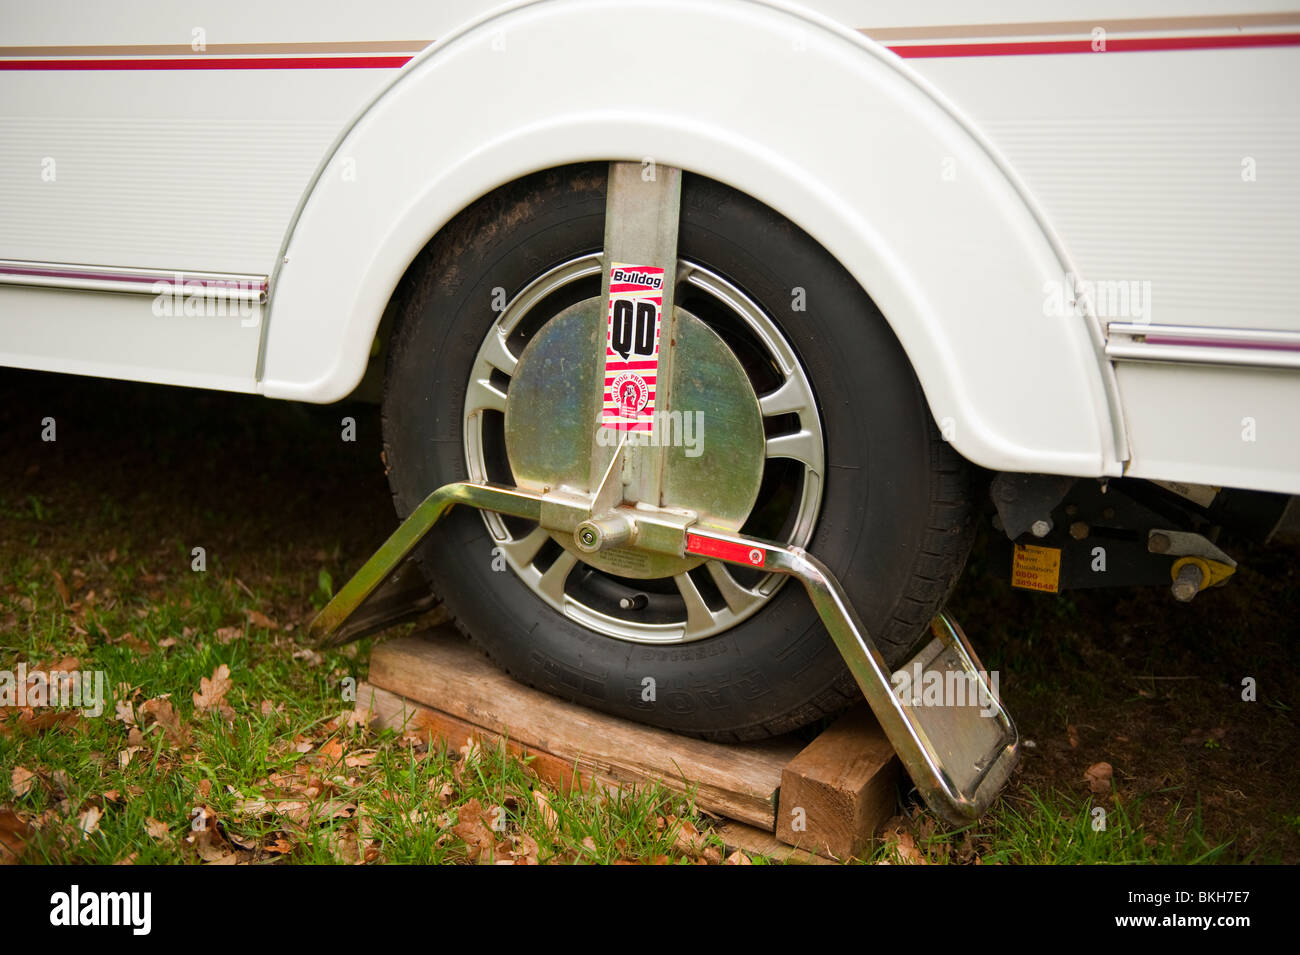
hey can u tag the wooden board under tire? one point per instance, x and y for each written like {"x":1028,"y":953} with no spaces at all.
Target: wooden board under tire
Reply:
{"x":436,"y":684}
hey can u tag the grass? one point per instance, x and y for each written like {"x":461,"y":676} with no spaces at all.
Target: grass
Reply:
{"x":286,"y":773}
{"x":1032,"y":827}
{"x":97,"y":533}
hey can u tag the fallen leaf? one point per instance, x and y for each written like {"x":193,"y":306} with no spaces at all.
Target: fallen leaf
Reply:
{"x":470,"y":752}
{"x":226,"y":634}
{"x":258,"y":619}
{"x":30,"y":721}
{"x":738,"y":858}
{"x":550,"y":818}
{"x":1074,"y":736}
{"x":161,"y":711}
{"x":330,"y":752}
{"x":61,"y":587}
{"x":905,"y":846}
{"x":344,"y":847}
{"x":1098,"y":777}
{"x":157,"y":830}
{"x":244,"y":842}
{"x":21,"y":780}
{"x":89,"y":821}
{"x":124,"y":711}
{"x":312,"y":658}
{"x":212,"y":693}
{"x":524,"y":849}
{"x":472,"y":828}
{"x":14,"y":834}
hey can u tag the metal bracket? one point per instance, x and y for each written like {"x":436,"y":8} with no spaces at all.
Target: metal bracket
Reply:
{"x":958,"y":755}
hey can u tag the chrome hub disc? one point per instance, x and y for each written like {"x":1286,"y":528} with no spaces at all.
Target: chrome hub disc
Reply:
{"x":711,"y":436}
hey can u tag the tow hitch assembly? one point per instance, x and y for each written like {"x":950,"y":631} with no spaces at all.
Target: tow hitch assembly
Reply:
{"x":588,"y":426}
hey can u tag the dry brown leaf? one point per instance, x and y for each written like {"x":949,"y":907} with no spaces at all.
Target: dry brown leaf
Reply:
{"x":88,"y":822}
{"x":312,"y":658}
{"x":157,"y":830}
{"x":738,"y":858}
{"x":14,"y":835}
{"x":124,"y":710}
{"x":21,"y":780}
{"x":61,"y":587}
{"x":226,"y":634}
{"x":212,"y":693}
{"x":330,"y":752}
{"x":259,"y":619}
{"x":1074,"y":736}
{"x":142,"y":647}
{"x":550,"y":818}
{"x":344,"y":847}
{"x":444,"y":790}
{"x":471,"y":751}
{"x":161,"y":711}
{"x":472,"y":827}
{"x":906,"y":849}
{"x":691,"y":841}
{"x":29,"y":721}
{"x":243,"y":842}
{"x":1098,"y":777}
{"x":523,"y":849}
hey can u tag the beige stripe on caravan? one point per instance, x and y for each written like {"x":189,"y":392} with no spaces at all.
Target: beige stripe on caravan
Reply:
{"x":1067,"y":27}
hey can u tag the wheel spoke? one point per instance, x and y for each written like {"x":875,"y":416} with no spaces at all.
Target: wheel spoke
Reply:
{"x":524,"y":550}
{"x":802,"y":446}
{"x":792,"y":397}
{"x":737,"y":597}
{"x":496,"y":354}
{"x":551,"y":583}
{"x":698,"y":615}
{"x":484,"y":396}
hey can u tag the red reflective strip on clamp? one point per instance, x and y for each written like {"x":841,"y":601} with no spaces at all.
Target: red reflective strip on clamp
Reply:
{"x":726,"y":550}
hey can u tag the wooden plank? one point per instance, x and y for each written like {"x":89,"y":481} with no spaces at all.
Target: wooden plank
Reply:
{"x":391,"y":711}
{"x":840,"y":788}
{"x":440,"y":670}
{"x":737,"y":835}
{"x":388,"y":710}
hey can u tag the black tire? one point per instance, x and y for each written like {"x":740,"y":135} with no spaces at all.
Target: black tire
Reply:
{"x":895,"y":523}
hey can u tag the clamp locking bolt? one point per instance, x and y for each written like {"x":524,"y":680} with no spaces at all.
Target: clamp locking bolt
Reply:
{"x":597,"y":533}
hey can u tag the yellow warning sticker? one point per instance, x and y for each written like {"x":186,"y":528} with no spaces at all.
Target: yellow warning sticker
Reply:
{"x":1036,"y":568}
